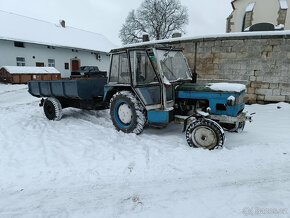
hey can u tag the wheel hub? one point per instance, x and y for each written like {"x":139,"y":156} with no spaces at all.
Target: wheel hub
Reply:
{"x":204,"y":137}
{"x":125,"y":113}
{"x":49,"y":109}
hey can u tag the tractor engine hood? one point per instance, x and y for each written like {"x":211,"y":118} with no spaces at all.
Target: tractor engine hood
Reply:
{"x":212,"y":87}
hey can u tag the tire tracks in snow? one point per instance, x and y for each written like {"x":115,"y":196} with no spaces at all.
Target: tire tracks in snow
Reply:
{"x":116,"y":199}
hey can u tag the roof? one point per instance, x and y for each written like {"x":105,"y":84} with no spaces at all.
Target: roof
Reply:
{"x":250,"y":7}
{"x":283,"y":4}
{"x":158,"y":44}
{"x":25,"y":29}
{"x":31,"y":70}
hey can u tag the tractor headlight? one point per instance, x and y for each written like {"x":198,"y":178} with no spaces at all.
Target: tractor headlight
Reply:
{"x":231,"y":101}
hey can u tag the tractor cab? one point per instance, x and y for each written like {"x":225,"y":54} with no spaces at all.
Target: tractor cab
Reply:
{"x":153,"y":74}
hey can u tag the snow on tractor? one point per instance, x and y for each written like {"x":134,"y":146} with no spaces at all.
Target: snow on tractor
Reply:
{"x":151,"y":85}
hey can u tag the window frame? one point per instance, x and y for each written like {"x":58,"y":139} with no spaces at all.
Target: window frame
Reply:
{"x":119,"y":68}
{"x":20,"y":63}
{"x":133,"y":77}
{"x":51,"y":64}
{"x":19,"y":44}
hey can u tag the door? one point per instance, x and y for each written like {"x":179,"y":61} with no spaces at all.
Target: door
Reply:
{"x":75,"y":64}
{"x":39,"y":64}
{"x":145,"y":79}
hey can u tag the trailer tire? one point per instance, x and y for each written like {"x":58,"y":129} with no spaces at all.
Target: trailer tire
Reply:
{"x":205,"y":133}
{"x":127,"y":113}
{"x":52,"y":109}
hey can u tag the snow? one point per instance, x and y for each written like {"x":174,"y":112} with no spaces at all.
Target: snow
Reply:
{"x":31,"y":70}
{"x":250,"y":7}
{"x":166,"y":81}
{"x":21,"y":28}
{"x":280,"y":27}
{"x":81,"y":167}
{"x":211,"y":36}
{"x":283,"y":4}
{"x":226,"y":87}
{"x":231,"y":98}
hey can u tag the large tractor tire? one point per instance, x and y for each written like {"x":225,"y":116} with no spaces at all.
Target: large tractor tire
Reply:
{"x":52,"y":109}
{"x":205,"y":133}
{"x":127,"y":112}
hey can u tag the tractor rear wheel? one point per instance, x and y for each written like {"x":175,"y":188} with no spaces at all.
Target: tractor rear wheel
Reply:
{"x":205,"y":133}
{"x":127,"y":112}
{"x":52,"y":109}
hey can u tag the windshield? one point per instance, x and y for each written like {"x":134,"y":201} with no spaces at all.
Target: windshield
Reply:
{"x":174,"y":65}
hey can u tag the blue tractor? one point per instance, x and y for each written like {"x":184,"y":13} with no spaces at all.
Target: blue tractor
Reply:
{"x":151,"y":85}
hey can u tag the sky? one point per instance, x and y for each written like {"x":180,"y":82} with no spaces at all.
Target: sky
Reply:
{"x":107,"y":16}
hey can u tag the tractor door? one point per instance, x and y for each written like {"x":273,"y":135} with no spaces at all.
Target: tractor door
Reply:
{"x":145,"y":79}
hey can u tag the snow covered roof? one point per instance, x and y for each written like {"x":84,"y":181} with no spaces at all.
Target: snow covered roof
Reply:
{"x":31,"y":70}
{"x":25,"y":29}
{"x":250,"y":7}
{"x":283,"y":4}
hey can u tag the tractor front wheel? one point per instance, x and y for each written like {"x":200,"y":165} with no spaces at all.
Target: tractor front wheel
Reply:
{"x":127,"y":112}
{"x":205,"y":133}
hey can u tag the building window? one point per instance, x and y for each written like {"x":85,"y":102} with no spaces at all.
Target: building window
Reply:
{"x":51,"y":63}
{"x":19,"y":44}
{"x":20,"y":61}
{"x":66,"y":66}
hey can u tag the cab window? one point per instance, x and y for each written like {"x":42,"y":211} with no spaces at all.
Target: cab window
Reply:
{"x":119,"y":71}
{"x":143,"y":72}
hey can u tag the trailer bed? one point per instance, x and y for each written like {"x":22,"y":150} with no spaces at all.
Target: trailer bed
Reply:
{"x":84,"y":89}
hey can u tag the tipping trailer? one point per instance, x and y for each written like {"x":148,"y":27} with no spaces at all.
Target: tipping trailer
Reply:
{"x":151,"y":85}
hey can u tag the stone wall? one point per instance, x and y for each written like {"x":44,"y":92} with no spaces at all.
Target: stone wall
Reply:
{"x":260,"y":62}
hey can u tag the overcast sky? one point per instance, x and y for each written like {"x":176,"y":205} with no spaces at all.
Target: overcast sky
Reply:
{"x":107,"y":16}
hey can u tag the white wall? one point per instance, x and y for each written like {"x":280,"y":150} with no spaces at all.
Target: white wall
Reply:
{"x":8,"y":54}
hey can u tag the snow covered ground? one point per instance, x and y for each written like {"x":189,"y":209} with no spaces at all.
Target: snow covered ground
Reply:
{"x":81,"y":167}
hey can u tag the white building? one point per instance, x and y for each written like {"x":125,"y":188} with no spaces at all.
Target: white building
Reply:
{"x":26,"y":41}
{"x":249,"y":12}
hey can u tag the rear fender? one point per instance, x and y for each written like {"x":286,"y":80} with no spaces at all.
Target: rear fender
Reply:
{"x":109,"y":91}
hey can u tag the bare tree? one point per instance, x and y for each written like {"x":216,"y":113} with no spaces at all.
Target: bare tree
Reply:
{"x":158,"y":18}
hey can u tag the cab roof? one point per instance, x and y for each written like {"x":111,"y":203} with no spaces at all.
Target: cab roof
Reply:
{"x":145,"y":45}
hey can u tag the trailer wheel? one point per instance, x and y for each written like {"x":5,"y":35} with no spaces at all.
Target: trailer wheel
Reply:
{"x":205,"y":133}
{"x":127,"y":113}
{"x":52,"y":109}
